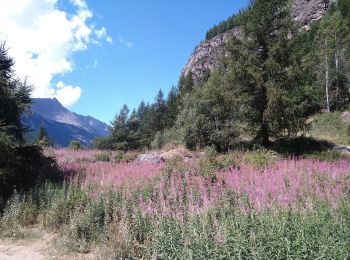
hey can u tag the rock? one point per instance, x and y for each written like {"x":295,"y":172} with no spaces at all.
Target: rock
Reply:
{"x":160,"y":157}
{"x":342,"y":149}
{"x":150,"y":157}
{"x":345,"y":117}
{"x":206,"y":56}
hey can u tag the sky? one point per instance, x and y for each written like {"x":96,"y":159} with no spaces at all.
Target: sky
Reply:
{"x":96,"y":55}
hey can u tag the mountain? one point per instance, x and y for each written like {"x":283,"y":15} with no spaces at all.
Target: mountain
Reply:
{"x":207,"y":55}
{"x":61,"y":124}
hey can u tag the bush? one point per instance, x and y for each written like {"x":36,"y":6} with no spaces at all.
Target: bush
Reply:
{"x":75,"y":145}
{"x":260,"y":157}
{"x":102,"y":157}
{"x":121,"y":156}
{"x":158,"y":141}
{"x":226,"y":161}
{"x":208,"y":164}
{"x":176,"y":163}
{"x":26,"y":170}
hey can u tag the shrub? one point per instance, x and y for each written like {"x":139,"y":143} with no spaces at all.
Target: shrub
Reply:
{"x":208,"y":164}
{"x":121,"y":156}
{"x":158,"y":141}
{"x":102,"y":157}
{"x":175,"y":163}
{"x":75,"y":145}
{"x":260,"y":157}
{"x":20,"y":211}
{"x":26,"y":170}
{"x":226,"y":161}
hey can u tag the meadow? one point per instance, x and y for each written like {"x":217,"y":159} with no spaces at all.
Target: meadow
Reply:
{"x":216,"y":207}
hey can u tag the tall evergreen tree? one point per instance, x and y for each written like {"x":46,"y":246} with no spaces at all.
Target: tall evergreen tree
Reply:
{"x":172,"y":107}
{"x":158,"y":112}
{"x":119,"y":133}
{"x":267,"y":75}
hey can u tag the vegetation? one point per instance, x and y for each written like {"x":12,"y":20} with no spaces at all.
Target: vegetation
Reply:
{"x":43,"y":139}
{"x":268,"y":85}
{"x":22,"y":166}
{"x":75,"y":145}
{"x":331,"y":127}
{"x":292,"y":209}
{"x":223,"y":26}
{"x":260,"y":189}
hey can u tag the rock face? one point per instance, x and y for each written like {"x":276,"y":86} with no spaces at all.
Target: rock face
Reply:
{"x":206,"y":56}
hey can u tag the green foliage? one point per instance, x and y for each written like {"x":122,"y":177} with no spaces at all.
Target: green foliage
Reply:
{"x":121,"y":156}
{"x":260,"y":157}
{"x":332,"y":40}
{"x":43,"y":139}
{"x":101,"y":143}
{"x":175,"y":164}
{"x":223,"y":27}
{"x":113,"y":225}
{"x":208,"y":164}
{"x":21,"y":166}
{"x":158,"y":141}
{"x":75,"y":145}
{"x":102,"y":157}
{"x":328,"y":156}
{"x":330,"y":127}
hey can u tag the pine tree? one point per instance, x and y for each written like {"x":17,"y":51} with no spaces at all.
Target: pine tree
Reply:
{"x":43,"y":139}
{"x":158,"y":112}
{"x":172,"y":107}
{"x":266,"y":74}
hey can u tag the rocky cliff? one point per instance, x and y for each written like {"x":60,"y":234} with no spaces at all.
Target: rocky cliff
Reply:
{"x":206,"y":56}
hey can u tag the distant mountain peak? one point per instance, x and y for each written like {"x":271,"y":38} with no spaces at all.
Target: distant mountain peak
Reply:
{"x":61,"y":124}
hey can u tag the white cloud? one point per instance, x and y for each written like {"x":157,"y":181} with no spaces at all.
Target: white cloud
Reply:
{"x":101,"y":32}
{"x":66,"y":95}
{"x":42,"y":39}
{"x":109,"y":39}
{"x":79,"y":3}
{"x":125,"y":42}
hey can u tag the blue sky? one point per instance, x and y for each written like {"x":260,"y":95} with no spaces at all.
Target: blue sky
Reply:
{"x":152,"y":41}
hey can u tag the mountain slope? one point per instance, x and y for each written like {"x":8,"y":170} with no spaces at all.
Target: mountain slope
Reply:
{"x":61,"y":124}
{"x":206,"y":56}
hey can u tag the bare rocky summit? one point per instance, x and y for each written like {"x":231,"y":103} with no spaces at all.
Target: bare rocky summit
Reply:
{"x":206,"y":56}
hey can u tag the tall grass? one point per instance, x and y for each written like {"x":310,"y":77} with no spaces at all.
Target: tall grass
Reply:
{"x":294,"y":209}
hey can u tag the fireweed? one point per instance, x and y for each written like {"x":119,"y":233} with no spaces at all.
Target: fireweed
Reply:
{"x":292,"y":209}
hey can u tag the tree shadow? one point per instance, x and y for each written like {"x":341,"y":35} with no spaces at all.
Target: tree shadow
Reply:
{"x":300,"y":146}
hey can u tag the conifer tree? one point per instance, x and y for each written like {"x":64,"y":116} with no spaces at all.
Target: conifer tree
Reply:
{"x":266,"y":74}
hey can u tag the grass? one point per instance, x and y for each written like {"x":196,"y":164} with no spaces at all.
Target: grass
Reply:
{"x":331,"y":127}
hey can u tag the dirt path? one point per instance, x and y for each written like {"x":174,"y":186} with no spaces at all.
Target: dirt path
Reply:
{"x":35,"y":249}
{"x":23,"y":250}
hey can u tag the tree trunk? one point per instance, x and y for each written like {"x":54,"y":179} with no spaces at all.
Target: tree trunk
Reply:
{"x":265,"y":134}
{"x":337,"y":78}
{"x":327,"y":82}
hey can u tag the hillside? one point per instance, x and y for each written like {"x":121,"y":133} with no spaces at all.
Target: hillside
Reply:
{"x":61,"y":124}
{"x":207,"y":54}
